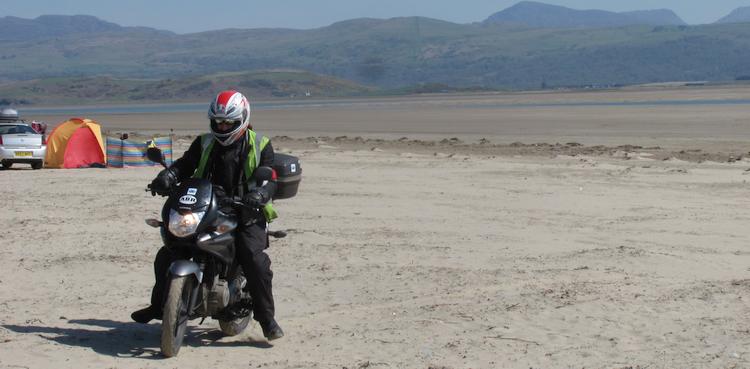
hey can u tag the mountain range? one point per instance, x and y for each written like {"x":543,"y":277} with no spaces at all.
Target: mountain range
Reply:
{"x":540,"y":15}
{"x":739,"y":15}
{"x":51,"y":26}
{"x":527,"y":46}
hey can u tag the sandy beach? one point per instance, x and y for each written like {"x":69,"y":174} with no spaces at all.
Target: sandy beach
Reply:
{"x":434,"y":232}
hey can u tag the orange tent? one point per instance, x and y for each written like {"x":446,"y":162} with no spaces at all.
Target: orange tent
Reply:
{"x":76,"y":143}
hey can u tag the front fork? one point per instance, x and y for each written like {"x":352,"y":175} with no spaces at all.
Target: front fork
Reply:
{"x":186,"y":268}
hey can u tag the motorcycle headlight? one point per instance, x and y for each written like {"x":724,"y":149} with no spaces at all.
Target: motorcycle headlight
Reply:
{"x":183,"y":225}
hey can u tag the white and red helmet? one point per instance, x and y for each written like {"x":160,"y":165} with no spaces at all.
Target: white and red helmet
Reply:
{"x":229,"y":106}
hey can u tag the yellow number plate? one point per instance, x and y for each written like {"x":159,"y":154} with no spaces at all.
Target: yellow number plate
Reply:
{"x":23,"y":153}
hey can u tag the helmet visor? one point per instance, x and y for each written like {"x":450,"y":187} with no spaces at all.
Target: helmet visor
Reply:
{"x":220,"y":125}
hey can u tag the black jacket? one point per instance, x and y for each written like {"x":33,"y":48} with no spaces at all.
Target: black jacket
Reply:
{"x":225,"y":166}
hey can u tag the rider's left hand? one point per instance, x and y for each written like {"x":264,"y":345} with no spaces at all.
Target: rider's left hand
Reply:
{"x":256,"y":197}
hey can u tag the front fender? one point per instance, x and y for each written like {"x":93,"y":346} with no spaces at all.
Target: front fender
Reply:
{"x":183,"y":268}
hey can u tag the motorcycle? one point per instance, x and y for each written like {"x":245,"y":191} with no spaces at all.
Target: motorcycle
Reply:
{"x":208,"y":281}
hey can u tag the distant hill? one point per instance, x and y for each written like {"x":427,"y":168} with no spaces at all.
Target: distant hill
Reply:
{"x":397,"y":52}
{"x":739,"y":15}
{"x":47,"y":26}
{"x":261,"y":84}
{"x":657,"y":17}
{"x":540,"y":15}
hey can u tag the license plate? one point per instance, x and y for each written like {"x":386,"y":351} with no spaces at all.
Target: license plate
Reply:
{"x":23,"y":153}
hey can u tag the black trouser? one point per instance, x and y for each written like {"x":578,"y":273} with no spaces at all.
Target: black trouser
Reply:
{"x":250,"y":242}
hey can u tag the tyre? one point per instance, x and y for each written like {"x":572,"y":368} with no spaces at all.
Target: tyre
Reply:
{"x":6,"y":164}
{"x":37,"y":165}
{"x":234,"y":327}
{"x":176,"y":314}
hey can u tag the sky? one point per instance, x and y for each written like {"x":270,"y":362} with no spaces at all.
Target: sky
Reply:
{"x":186,"y":16}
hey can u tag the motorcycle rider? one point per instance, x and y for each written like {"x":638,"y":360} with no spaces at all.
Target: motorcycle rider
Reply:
{"x":228,"y":165}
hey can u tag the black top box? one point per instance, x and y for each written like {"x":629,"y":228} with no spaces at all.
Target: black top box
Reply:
{"x":289,"y":174}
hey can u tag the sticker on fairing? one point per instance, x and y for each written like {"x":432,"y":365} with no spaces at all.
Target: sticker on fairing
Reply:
{"x":188,"y":200}
{"x":192,"y":191}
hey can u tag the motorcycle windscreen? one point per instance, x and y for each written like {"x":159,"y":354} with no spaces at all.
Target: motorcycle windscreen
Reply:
{"x":193,"y":194}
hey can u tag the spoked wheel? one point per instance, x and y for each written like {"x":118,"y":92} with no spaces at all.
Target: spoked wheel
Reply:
{"x":176,"y":315}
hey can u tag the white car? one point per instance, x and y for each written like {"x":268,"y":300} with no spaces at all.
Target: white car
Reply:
{"x":19,"y":143}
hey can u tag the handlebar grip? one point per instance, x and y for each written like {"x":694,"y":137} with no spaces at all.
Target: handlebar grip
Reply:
{"x":156,"y":192}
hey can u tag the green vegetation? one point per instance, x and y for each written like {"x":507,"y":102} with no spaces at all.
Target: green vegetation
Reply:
{"x":262,"y":84}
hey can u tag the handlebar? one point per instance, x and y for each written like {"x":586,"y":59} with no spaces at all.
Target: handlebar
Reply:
{"x":154,"y":193}
{"x":236,"y":203}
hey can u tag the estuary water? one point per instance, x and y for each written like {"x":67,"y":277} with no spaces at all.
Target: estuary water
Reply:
{"x":363,"y":103}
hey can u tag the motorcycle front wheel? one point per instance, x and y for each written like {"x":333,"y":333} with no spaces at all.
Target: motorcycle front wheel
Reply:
{"x":176,"y":315}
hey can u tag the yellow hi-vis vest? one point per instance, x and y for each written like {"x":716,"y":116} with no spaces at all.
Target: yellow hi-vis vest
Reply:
{"x":258,"y":143}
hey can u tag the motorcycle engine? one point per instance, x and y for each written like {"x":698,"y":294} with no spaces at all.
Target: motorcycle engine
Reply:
{"x":218,"y":297}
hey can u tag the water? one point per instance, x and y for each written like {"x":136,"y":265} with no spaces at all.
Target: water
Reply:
{"x":373,"y":103}
{"x":167,"y":108}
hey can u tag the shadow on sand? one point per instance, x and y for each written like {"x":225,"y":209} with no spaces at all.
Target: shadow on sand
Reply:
{"x":128,"y":339}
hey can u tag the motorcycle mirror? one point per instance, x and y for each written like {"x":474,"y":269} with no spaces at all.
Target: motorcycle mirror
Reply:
{"x":154,"y":154}
{"x":263,"y":174}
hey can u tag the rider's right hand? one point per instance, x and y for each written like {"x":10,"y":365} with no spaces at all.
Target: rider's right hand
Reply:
{"x":163,"y":182}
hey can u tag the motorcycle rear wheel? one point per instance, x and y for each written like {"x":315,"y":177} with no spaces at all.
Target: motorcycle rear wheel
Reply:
{"x":176,"y":314}
{"x":234,"y":327}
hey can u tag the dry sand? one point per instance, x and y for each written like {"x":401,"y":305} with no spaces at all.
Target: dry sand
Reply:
{"x":499,"y":118}
{"x":421,"y":252}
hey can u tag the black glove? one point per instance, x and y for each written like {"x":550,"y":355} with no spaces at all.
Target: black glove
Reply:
{"x":256,"y":197}
{"x":225,"y":202}
{"x":163,"y":182}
